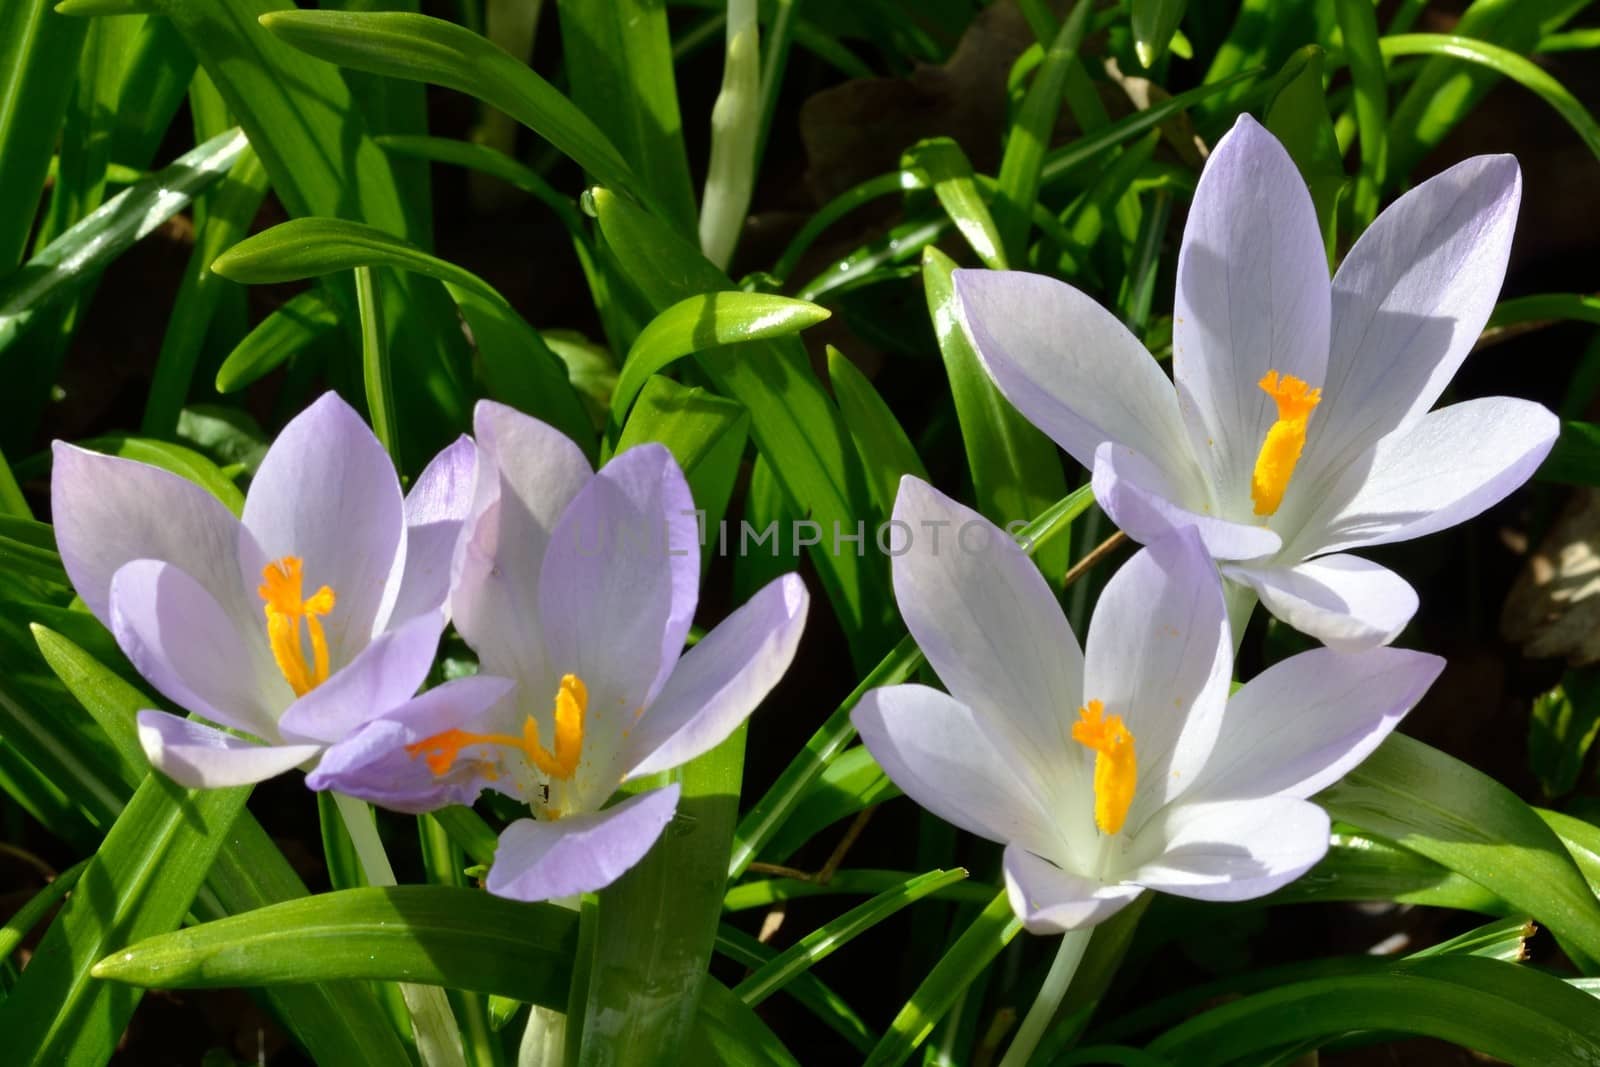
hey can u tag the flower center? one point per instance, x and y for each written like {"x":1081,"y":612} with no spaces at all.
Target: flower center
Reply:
{"x":1115,"y":770}
{"x":1285,"y":439}
{"x":280,"y":591}
{"x":572,"y":701}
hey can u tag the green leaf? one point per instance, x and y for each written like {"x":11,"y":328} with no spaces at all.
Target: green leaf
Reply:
{"x":1444,"y":91}
{"x":21,"y":922}
{"x":1015,"y":469}
{"x":377,"y":376}
{"x":1298,"y":117}
{"x":1501,"y":61}
{"x":1432,"y":804}
{"x":1561,"y":730}
{"x":521,"y":368}
{"x":1022,"y":165}
{"x":619,"y":61}
{"x":1358,"y":21}
{"x":433,"y":935}
{"x":140,"y":883}
{"x":973,"y":951}
{"x":946,"y":169}
{"x":229,"y":212}
{"x":86,"y":248}
{"x":828,"y":1006}
{"x":851,"y":782}
{"x":107,"y":697}
{"x":36,"y":46}
{"x":1499,"y":1009}
{"x":1361,"y":867}
{"x":292,"y":328}
{"x":1154,"y":23}
{"x":703,"y":322}
{"x":794,"y":424}
{"x":418,"y":48}
{"x":766,"y":892}
{"x":822,"y":942}
{"x":886,"y":452}
{"x":28,"y":548}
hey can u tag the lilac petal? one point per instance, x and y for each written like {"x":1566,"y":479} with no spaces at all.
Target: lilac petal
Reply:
{"x":179,"y":638}
{"x":382,"y":676}
{"x":1232,"y":849}
{"x":201,"y":757}
{"x":1345,"y":602}
{"x":1409,"y":302}
{"x":328,"y":494}
{"x":719,"y":682}
{"x":1252,"y":296}
{"x":613,"y":587}
{"x":579,"y":853}
{"x":1048,"y":900}
{"x":435,"y":509}
{"x":110,"y":511}
{"x":1072,"y":369}
{"x":373,"y":762}
{"x":1139,"y":499}
{"x":1304,"y":723}
{"x":1160,"y":654}
{"x":988,"y":623}
{"x":958,"y":765}
{"x":528,"y":473}
{"x":1440,"y":470}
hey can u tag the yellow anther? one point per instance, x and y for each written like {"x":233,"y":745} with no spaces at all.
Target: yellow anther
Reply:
{"x":280,"y":590}
{"x":1285,"y":439}
{"x":1115,"y":769}
{"x":572,"y":701}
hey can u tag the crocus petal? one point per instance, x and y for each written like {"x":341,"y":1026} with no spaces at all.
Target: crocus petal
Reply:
{"x":528,"y":474}
{"x":1437,"y":471}
{"x":1252,"y":296}
{"x":719,"y":682}
{"x":578,"y":853}
{"x":1048,"y":900}
{"x":1232,"y":849}
{"x":179,"y":638}
{"x":1142,"y":502}
{"x":989,"y":625}
{"x":1345,"y":602}
{"x":327,"y":494}
{"x":1304,"y":723}
{"x":110,"y":511}
{"x":437,"y":506}
{"x":383,"y":675}
{"x":959,"y":766}
{"x":201,"y":757}
{"x":1409,"y":302}
{"x":621,"y":561}
{"x":375,"y":764}
{"x":1072,"y":368}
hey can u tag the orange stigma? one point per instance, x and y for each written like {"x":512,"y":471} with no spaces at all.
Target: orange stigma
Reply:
{"x":572,"y":702}
{"x":280,"y":590}
{"x":1285,"y":440}
{"x":1115,"y":770}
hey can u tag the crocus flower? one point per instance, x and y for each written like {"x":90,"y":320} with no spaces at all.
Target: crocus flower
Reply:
{"x":320,"y":608}
{"x":1125,"y":766}
{"x":581,"y":587}
{"x":1300,"y":426}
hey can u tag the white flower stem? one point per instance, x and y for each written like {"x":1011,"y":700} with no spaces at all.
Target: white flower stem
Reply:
{"x":438,"y":1039}
{"x":544,"y":1039}
{"x":1033,"y":1028}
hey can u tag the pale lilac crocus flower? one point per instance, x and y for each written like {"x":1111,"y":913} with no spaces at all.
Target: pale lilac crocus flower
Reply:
{"x":1300,"y":426}
{"x":1125,"y":766}
{"x":581,"y":587}
{"x":319,"y":609}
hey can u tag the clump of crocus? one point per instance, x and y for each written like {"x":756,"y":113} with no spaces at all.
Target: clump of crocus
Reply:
{"x":581,"y":587}
{"x":1300,"y":426}
{"x":319,"y":609}
{"x":1125,"y":766}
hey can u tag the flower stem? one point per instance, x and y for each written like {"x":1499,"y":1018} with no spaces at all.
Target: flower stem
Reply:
{"x":438,"y":1039}
{"x":1033,"y":1028}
